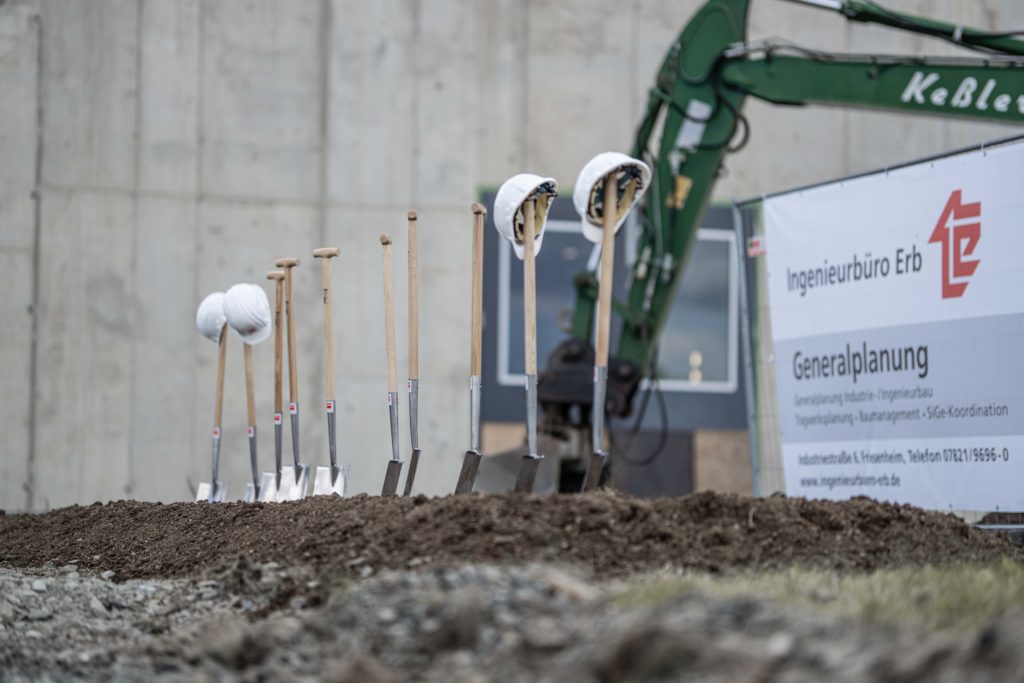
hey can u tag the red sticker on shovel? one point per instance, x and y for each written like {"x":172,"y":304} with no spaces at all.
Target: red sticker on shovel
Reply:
{"x":389,"y":398}
{"x":216,"y":432}
{"x":293,"y":408}
{"x":251,"y":431}
{"x":277,"y":418}
{"x":330,"y":406}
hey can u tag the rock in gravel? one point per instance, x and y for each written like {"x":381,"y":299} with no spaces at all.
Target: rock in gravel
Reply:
{"x":107,"y":575}
{"x":39,"y":586}
{"x":97,"y":607}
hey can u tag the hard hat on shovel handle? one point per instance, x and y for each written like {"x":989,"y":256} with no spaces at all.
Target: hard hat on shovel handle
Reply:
{"x":508,"y":208}
{"x":632,"y":179}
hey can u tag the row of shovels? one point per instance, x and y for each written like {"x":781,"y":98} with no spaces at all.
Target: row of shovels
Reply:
{"x":521,"y":208}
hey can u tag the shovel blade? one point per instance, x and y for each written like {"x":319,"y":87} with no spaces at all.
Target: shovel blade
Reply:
{"x":594,"y":470}
{"x":207,"y":493}
{"x":325,"y":485}
{"x":467,"y":477}
{"x":527,"y":473}
{"x":414,"y":461}
{"x":250,"y":493}
{"x":391,"y":478}
{"x":294,"y":483}
{"x":268,"y":488}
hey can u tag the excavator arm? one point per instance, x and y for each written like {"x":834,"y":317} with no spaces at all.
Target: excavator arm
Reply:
{"x":694,"y":117}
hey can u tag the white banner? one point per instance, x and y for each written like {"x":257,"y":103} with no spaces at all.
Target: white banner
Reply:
{"x":897,"y":311}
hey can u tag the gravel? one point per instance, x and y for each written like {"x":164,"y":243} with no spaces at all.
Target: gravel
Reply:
{"x":535,"y":624}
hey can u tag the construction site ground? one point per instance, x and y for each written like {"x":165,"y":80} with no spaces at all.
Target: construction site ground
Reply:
{"x":597,"y":587}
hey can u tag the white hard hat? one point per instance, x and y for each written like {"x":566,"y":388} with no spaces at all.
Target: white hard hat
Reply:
{"x":508,"y":204}
{"x":632,"y":178}
{"x":210,"y":317}
{"x":248,"y":312}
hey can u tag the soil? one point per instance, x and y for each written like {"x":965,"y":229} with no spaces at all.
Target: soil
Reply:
{"x":606,"y":534}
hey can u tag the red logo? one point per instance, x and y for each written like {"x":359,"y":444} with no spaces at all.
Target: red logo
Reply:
{"x":277,"y":418}
{"x":330,"y":406}
{"x":958,"y":229}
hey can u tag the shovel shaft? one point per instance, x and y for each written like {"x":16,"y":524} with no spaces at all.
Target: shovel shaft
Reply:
{"x":393,"y":416}
{"x":216,"y":455}
{"x":414,"y":413}
{"x":332,"y":443}
{"x":597,"y":411}
{"x":294,"y":410}
{"x":475,"y":385}
{"x":531,"y":413}
{"x":252,"y":459}
{"x":278,"y":446}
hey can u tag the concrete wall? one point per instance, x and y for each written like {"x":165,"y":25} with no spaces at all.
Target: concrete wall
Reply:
{"x":153,"y":151}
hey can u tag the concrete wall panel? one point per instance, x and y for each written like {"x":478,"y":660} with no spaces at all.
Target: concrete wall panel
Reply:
{"x":19,"y":61}
{"x":90,"y":92}
{"x":579,"y":85}
{"x":89,"y":318}
{"x":260,"y":84}
{"x":169,"y":97}
{"x":15,"y":388}
{"x":163,"y":386}
{"x":371,"y":109}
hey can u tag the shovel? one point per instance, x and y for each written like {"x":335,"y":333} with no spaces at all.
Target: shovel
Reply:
{"x":294,"y":478}
{"x":329,"y":479}
{"x":269,"y":488}
{"x":598,"y":456}
{"x":215,"y":491}
{"x":394,"y":471}
{"x":531,"y":461}
{"x":252,"y":491}
{"x":414,"y":354}
{"x":471,"y":460}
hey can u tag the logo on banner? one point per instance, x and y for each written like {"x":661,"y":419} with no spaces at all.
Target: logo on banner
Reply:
{"x":958,"y":230}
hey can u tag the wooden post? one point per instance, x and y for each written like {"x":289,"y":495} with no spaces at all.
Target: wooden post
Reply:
{"x":476,"y":342}
{"x":604,"y":290}
{"x":218,"y":405}
{"x":389,"y":316}
{"x":529,"y":287}
{"x":414,"y":299}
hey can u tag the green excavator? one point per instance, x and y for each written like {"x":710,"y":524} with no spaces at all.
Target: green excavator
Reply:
{"x":694,"y":118}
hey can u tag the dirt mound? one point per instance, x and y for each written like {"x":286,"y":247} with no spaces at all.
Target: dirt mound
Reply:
{"x":610,"y":534}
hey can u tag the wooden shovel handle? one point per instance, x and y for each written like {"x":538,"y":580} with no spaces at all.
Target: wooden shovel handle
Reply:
{"x":278,"y":277}
{"x":604,"y":287}
{"x":293,"y":371}
{"x":529,"y":287}
{"x":327,"y":253}
{"x":222,"y":352}
{"x":389,"y":315}
{"x":477,"y":313}
{"x":414,"y":299}
{"x":250,"y":390}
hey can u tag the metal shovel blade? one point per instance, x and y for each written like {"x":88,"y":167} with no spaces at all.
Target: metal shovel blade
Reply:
{"x":206,"y":493}
{"x":411,"y":475}
{"x":527,"y":473}
{"x":325,"y":485}
{"x":294,"y":483}
{"x":268,"y":488}
{"x":250,"y":493}
{"x":467,"y":477}
{"x":391,"y":478}
{"x":594,"y":470}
